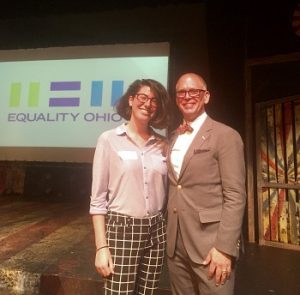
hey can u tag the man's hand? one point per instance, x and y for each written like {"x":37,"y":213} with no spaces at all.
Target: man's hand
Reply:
{"x":219,"y":266}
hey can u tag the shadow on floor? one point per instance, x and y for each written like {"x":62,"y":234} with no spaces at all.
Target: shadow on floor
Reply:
{"x":266,"y":270}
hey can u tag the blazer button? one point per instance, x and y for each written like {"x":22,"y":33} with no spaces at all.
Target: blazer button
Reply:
{"x":174,"y":210}
{"x":179,"y":186}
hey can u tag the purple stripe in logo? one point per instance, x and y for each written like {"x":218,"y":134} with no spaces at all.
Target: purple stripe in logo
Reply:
{"x":61,"y":86}
{"x":64,"y":102}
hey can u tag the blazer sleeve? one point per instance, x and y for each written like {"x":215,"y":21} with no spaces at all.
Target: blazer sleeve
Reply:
{"x":232,"y":171}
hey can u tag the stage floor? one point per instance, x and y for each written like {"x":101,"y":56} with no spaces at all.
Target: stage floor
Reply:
{"x":48,"y":248}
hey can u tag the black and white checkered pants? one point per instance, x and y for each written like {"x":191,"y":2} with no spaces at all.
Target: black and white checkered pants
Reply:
{"x":137,"y":246}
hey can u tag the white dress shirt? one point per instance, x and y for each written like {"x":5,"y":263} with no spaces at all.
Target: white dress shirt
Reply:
{"x":183,"y":143}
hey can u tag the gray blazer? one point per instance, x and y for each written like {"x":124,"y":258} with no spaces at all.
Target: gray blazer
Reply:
{"x":208,"y":199}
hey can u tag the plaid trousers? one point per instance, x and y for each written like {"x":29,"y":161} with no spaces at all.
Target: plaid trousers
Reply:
{"x":137,"y":246}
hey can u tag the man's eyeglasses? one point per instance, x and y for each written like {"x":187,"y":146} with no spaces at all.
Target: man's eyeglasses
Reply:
{"x":143,"y":98}
{"x":191,"y":92}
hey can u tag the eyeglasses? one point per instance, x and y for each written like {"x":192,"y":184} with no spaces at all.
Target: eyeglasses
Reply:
{"x":191,"y":92}
{"x":143,"y":98}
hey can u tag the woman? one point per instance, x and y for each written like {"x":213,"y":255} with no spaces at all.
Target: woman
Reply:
{"x":129,"y":193}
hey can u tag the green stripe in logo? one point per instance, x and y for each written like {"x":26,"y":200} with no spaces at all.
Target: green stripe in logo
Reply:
{"x":33,"y":95}
{"x":15,"y":95}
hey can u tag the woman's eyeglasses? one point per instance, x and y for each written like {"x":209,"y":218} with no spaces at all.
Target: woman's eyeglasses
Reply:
{"x":143,"y":98}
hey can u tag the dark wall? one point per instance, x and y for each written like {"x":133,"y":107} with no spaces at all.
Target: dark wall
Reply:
{"x":226,"y":33}
{"x":269,"y":28}
{"x":270,"y":33}
{"x":237,"y":32}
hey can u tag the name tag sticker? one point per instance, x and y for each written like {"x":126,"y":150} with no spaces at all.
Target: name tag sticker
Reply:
{"x":128,"y":155}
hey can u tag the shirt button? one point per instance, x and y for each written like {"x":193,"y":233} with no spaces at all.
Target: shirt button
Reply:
{"x":174,"y":210}
{"x":179,"y":186}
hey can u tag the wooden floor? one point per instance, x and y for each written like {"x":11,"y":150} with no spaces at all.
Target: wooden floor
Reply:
{"x":48,"y":248}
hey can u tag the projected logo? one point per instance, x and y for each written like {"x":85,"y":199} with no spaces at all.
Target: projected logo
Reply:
{"x":96,"y":96}
{"x":75,"y":93}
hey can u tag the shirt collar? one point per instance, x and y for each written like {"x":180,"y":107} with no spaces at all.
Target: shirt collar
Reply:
{"x":197,"y":123}
{"x":121,"y":130}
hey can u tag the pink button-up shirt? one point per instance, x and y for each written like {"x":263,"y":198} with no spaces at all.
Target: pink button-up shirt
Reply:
{"x":126,"y":178}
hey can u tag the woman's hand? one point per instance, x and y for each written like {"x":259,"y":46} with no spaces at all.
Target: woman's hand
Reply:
{"x":103,"y":262}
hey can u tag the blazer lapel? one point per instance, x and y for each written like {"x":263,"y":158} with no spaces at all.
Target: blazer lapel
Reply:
{"x":172,"y":173}
{"x":197,"y":142}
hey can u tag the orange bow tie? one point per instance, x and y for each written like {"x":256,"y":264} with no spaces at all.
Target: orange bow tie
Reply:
{"x":185,"y":127}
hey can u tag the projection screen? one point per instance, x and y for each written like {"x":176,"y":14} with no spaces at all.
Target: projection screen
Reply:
{"x":55,"y":102}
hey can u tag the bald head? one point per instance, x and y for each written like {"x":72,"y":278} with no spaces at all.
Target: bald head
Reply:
{"x":191,"y":77}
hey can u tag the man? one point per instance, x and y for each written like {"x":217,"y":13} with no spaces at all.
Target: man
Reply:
{"x":206,"y":196}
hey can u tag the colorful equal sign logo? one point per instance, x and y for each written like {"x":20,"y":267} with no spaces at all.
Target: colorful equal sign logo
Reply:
{"x":65,"y":101}
{"x":96,"y":98}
